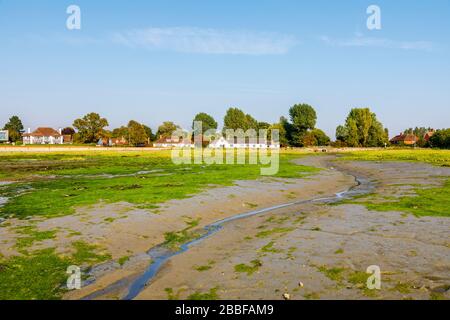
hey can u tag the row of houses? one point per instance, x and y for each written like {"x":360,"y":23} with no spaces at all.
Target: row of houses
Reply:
{"x":221,"y":142}
{"x":44,"y":135}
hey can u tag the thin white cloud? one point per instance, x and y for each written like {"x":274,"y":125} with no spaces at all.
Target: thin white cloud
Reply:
{"x":362,"y":41}
{"x":207,"y":41}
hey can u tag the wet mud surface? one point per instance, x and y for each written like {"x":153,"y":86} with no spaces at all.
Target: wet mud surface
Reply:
{"x":294,"y":239}
{"x":321,"y":251}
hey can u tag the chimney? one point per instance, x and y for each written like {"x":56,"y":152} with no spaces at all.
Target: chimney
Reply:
{"x":60,"y":130}
{"x":29,"y":130}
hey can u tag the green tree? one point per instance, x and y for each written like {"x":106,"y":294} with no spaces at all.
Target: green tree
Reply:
{"x":315,"y":137}
{"x":166,"y":129}
{"x":441,"y":139}
{"x":303,"y":117}
{"x":308,"y":139}
{"x":363,"y":120}
{"x":69,"y":131}
{"x":252,"y":123}
{"x":235,"y":119}
{"x":321,"y":137}
{"x":288,"y":130}
{"x":281,"y":134}
{"x":136,"y":133}
{"x":14,"y":127}
{"x":149,"y":132}
{"x":378,"y":136}
{"x":352,"y":133}
{"x":207,"y":121}
{"x":341,"y":133}
{"x":121,"y":132}
{"x":362,"y":129}
{"x":263,"y":126}
{"x":90,"y":127}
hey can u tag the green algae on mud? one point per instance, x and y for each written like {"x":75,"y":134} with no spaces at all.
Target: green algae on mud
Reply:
{"x":210,"y":295}
{"x":55,"y":184}
{"x":426,"y":201}
{"x":30,"y":235}
{"x":248,"y":269}
{"x":41,"y":275}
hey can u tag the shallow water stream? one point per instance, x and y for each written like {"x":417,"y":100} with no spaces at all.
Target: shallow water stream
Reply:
{"x":161,"y":254}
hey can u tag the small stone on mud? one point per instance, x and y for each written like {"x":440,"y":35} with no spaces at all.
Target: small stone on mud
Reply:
{"x":300,"y":284}
{"x":286,"y":296}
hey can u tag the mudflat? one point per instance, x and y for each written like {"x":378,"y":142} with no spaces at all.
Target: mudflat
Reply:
{"x":320,"y":251}
{"x":278,"y":237}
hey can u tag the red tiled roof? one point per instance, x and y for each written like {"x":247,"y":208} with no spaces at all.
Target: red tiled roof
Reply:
{"x":43,"y":132}
{"x":405,"y":138}
{"x":428,"y":135}
{"x":398,"y":138}
{"x":410,"y":139}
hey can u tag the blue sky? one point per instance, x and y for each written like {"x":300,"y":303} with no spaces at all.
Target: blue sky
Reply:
{"x":167,"y":60}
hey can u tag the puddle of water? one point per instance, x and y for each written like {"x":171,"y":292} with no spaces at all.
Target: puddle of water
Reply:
{"x":3,"y":200}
